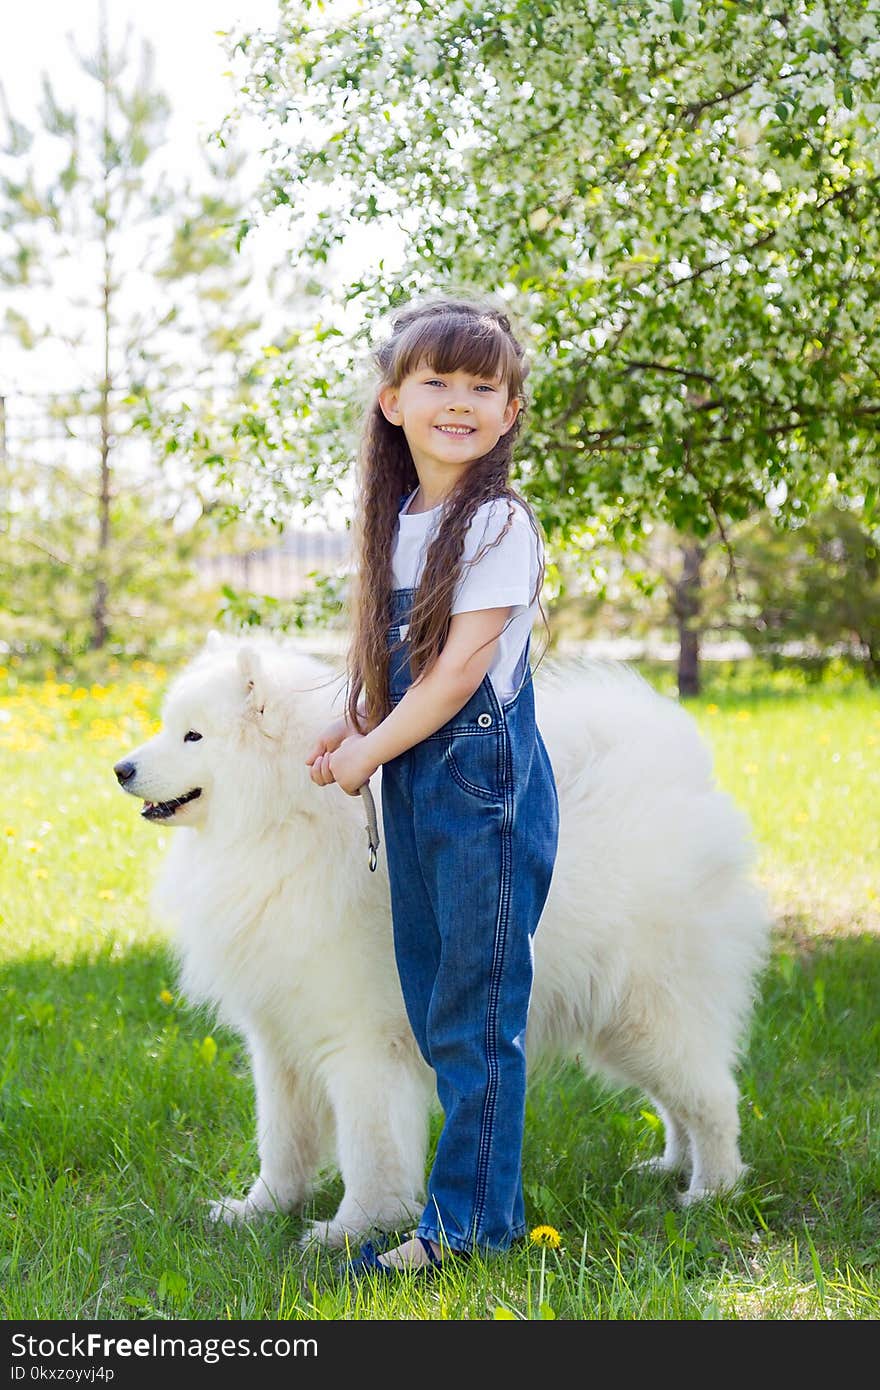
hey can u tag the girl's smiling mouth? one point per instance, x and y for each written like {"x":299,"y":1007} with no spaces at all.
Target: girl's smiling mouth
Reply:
{"x":462,"y":430}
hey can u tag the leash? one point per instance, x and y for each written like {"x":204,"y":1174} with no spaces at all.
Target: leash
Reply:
{"x":372,"y":825}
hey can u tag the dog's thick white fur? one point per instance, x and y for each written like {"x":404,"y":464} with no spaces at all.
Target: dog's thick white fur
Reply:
{"x":647,"y":957}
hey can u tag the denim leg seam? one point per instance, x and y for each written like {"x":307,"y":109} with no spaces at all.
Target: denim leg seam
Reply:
{"x":501,"y":925}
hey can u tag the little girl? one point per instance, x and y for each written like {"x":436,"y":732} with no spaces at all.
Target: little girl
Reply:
{"x":449,"y":572}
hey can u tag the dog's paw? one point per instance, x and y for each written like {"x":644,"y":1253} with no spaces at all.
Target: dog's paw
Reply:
{"x":260,"y":1201}
{"x":339,"y":1235}
{"x":695,"y":1195}
{"x":332,"y":1234}
{"x":233,"y":1211}
{"x":658,"y":1164}
{"x":728,"y":1186}
{"x":236,"y":1211}
{"x":355,"y":1222}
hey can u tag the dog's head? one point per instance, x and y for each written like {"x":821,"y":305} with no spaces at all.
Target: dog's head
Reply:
{"x":232,"y":737}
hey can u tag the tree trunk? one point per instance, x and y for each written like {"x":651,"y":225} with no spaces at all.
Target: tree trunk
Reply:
{"x":686,"y":603}
{"x":99,"y":605}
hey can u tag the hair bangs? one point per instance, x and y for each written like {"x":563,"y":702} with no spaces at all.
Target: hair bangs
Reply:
{"x":455,"y":342}
{"x":446,"y":336}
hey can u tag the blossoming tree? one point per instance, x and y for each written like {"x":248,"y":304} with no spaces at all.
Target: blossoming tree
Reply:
{"x":680,"y":199}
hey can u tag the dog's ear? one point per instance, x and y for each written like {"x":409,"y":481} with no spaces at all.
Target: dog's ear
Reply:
{"x":251,"y":668}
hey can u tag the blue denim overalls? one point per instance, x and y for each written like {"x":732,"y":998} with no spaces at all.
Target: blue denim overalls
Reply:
{"x":471,"y":824}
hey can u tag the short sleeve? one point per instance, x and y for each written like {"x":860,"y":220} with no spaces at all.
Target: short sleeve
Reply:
{"x":504,"y":576}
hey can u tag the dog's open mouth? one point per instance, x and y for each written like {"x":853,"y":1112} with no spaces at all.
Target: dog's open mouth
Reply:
{"x":161,"y":810}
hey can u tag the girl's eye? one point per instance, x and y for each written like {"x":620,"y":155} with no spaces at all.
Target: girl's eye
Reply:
{"x":191,"y":736}
{"x":481,"y":386}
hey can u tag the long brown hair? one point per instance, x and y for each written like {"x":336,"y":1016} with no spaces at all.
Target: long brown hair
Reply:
{"x":447,"y":335}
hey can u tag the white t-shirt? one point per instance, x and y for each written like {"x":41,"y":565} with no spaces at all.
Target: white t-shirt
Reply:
{"x":504,"y":577}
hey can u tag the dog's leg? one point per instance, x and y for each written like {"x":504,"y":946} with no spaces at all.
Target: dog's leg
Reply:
{"x":695,"y":1094}
{"x":712,"y":1122}
{"x":289,"y":1140}
{"x":676,"y":1157}
{"x":381,"y":1109}
{"x":702,"y":1134}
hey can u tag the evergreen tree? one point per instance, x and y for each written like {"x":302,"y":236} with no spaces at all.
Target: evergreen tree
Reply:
{"x":123,"y":281}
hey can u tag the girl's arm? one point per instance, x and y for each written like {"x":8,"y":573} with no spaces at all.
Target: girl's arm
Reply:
{"x":426,"y":706}
{"x":434,"y":698}
{"x":330,"y":737}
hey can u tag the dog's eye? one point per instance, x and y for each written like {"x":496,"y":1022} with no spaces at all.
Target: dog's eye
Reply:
{"x":191,"y":736}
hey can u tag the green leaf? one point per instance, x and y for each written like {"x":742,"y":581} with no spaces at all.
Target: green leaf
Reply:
{"x":172,"y":1286}
{"x":782,"y":111}
{"x":678,"y":10}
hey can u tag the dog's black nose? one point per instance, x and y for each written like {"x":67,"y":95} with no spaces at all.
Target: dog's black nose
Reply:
{"x":124,"y":772}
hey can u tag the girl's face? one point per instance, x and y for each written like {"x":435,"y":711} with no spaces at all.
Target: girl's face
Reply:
{"x":449,"y":418}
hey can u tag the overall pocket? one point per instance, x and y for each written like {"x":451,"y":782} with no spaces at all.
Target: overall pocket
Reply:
{"x":476,"y":761}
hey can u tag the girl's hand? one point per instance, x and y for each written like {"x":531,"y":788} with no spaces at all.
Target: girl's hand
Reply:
{"x":352,"y":764}
{"x":319,"y":755}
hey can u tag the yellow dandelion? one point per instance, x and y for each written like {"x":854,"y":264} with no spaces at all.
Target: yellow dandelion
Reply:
{"x":9,"y":832}
{"x":33,"y":847}
{"x":166,"y":996}
{"x":547,"y":1236}
{"x":107,"y":895}
{"x":743,"y":714}
{"x":712,"y":709}
{"x":41,"y":873}
{"x":207,"y":1050}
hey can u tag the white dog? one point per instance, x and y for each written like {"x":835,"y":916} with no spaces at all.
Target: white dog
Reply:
{"x":646,"y":958}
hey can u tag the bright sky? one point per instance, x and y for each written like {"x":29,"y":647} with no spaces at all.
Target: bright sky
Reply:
{"x":190,"y":60}
{"x":192,"y":68}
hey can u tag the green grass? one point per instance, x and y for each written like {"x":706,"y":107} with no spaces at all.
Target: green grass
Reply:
{"x":120,"y":1123}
